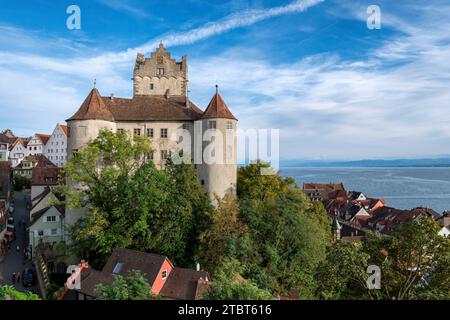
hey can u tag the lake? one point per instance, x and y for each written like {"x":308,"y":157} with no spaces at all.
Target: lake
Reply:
{"x":402,"y":188}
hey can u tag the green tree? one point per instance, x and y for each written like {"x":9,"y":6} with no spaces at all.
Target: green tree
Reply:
{"x":287,"y":234}
{"x":9,"y":293}
{"x":132,"y":204}
{"x":414,"y":261}
{"x":343,"y":274}
{"x":228,"y":284}
{"x":220,"y":240}
{"x":21,"y":182}
{"x":132,"y":287}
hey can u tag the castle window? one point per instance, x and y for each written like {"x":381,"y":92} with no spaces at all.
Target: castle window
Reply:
{"x":150,"y":156}
{"x":137,"y":132}
{"x":120,"y":131}
{"x":186,"y":126}
{"x":150,"y":132}
{"x":152,"y":86}
{"x":164,"y":154}
{"x":160,"y":71}
{"x":212,"y":124}
{"x":164,"y":133}
{"x":229,"y":125}
{"x":203,"y":182}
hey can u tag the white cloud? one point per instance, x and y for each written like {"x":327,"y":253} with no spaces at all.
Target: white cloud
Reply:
{"x":391,"y":104}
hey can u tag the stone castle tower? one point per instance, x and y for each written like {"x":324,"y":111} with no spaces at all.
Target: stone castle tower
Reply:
{"x":160,"y":107}
{"x":160,"y":74}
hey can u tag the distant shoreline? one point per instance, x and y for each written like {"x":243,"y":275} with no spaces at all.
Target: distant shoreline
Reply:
{"x":396,"y":163}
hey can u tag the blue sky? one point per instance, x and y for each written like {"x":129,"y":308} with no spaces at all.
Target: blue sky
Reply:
{"x":334,"y":88}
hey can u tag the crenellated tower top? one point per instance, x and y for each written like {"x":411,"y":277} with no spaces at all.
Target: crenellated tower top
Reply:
{"x":160,"y":74}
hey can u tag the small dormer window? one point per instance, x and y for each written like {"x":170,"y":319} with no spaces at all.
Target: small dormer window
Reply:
{"x":117,"y":268}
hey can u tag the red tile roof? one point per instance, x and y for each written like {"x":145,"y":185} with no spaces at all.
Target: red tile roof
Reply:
{"x":324,"y":186}
{"x":180,"y":284}
{"x":138,"y":108}
{"x":43,"y":137}
{"x":92,"y":108}
{"x":64,"y":129}
{"x":148,"y":108}
{"x":217,"y":109}
{"x":184,"y":284}
{"x":45,"y":173}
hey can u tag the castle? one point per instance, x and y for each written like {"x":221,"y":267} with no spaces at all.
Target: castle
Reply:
{"x":159,"y":108}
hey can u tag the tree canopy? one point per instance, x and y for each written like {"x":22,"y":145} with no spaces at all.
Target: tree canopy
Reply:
{"x":230,"y":285}
{"x":414,"y":262}
{"x":274,"y":231}
{"x":132,"y":287}
{"x":132,"y":204}
{"x":9,"y":293}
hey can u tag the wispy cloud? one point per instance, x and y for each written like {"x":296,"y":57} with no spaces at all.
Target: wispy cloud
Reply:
{"x":392,"y":102}
{"x":233,"y":21}
{"x":125,"y":6}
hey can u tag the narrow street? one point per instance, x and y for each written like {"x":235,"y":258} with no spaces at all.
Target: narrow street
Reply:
{"x":14,"y":261}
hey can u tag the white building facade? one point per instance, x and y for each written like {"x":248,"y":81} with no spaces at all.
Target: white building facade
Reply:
{"x":56,"y":148}
{"x":37,"y":144}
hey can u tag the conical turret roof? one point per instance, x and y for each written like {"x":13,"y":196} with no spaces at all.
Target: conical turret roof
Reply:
{"x":217,"y":109}
{"x":93,"y":108}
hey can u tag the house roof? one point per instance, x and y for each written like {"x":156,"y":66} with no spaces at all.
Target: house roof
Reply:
{"x":5,"y":178}
{"x":217,"y":109}
{"x":90,"y":278}
{"x":23,"y":141}
{"x":46,"y":176}
{"x":37,"y":215}
{"x":4,"y":139}
{"x":93,"y":108}
{"x":329,"y":187}
{"x":390,"y":218}
{"x":43,"y":137}
{"x":183,"y":284}
{"x":138,"y":108}
{"x":64,"y":129}
{"x":33,"y":158}
{"x":42,"y":196}
{"x":148,"y":263}
{"x":354,"y":195}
